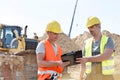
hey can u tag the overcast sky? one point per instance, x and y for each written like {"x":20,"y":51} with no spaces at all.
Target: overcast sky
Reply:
{"x":37,"y":13}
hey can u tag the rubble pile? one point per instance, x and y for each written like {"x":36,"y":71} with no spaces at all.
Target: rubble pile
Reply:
{"x":11,"y":67}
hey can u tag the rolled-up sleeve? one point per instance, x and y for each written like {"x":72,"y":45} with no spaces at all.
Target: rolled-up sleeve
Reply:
{"x":40,"y":48}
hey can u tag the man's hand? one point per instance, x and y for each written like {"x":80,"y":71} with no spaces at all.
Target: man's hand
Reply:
{"x":82,"y":60}
{"x":62,"y":64}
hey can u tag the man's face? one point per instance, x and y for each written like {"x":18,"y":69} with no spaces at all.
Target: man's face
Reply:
{"x":94,"y":29}
{"x":53,"y":36}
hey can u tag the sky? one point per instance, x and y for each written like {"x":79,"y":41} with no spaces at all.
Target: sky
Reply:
{"x":38,"y":13}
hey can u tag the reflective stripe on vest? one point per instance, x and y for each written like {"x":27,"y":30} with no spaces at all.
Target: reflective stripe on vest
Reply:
{"x":107,"y":65}
{"x":49,"y":72}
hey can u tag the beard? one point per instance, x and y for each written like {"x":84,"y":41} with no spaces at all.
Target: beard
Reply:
{"x":92,"y":33}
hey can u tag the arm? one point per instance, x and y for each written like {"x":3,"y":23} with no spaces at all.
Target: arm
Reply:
{"x":98,"y":58}
{"x":109,"y":48}
{"x":40,"y":50}
{"x":40,"y":53}
{"x":42,"y":63}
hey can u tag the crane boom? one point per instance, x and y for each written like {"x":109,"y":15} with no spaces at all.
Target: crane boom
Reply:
{"x":73,"y":18}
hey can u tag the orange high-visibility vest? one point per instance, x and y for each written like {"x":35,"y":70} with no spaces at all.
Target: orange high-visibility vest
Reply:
{"x":50,"y":55}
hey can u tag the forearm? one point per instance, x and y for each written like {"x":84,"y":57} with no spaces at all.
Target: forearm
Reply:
{"x":98,"y":58}
{"x":45,"y":63}
{"x":48,"y":63}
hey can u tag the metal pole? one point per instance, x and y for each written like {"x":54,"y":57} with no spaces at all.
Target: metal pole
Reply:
{"x":73,"y":18}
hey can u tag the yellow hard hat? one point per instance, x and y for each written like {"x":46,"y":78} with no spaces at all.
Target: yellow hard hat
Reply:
{"x":92,"y":21}
{"x":54,"y":26}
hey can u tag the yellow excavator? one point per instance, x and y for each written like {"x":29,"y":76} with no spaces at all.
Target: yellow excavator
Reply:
{"x":13,"y":41}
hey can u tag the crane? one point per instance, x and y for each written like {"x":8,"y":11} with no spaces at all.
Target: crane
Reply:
{"x":73,"y":18}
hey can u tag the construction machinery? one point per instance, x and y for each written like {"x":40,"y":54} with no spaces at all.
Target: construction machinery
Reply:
{"x":13,"y":41}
